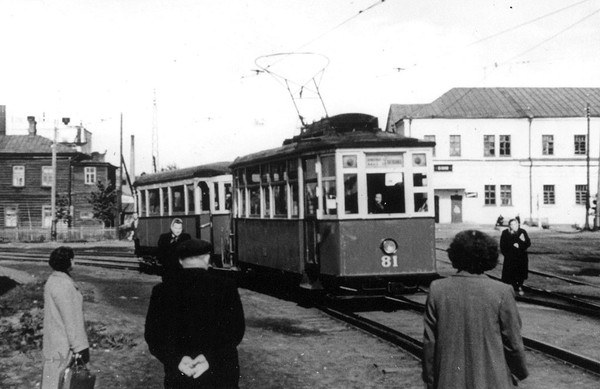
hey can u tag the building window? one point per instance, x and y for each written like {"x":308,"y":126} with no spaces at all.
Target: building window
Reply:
{"x":18,"y":175}
{"x":46,"y":175}
{"x":90,"y":175}
{"x":504,"y":146}
{"x":489,"y":146}
{"x":548,"y":144}
{"x":580,"y":194}
{"x":490,"y":194}
{"x":505,"y":195}
{"x":11,"y":216}
{"x":86,"y":215}
{"x":455,"y":145}
{"x":580,"y":144}
{"x":549,"y":194}
{"x":430,"y":138}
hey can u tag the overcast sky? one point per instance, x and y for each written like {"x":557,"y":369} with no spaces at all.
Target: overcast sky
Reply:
{"x":93,"y":59}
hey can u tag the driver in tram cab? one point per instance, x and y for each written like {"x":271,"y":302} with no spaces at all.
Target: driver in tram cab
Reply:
{"x":167,"y":244}
{"x":377,"y":205}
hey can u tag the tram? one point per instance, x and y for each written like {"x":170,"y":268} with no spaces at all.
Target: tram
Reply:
{"x":343,"y":204}
{"x":200,"y":196}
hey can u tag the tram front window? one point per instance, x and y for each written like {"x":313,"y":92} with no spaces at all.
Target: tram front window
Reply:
{"x":350,"y":194}
{"x":254,"y":202}
{"x":204,"y":196}
{"x":386,"y":192}
{"x":420,"y":202}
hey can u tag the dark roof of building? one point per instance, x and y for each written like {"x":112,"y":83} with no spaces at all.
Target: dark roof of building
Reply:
{"x":31,"y":144}
{"x":509,"y":103}
{"x":209,"y":170}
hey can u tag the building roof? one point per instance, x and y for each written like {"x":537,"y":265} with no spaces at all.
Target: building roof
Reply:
{"x":209,"y":170}
{"x":30,"y":144}
{"x":509,"y":103}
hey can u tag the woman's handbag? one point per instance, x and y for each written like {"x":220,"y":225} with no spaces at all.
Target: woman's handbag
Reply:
{"x":76,"y":375}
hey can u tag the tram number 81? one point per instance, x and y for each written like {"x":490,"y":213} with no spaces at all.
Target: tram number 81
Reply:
{"x":389,"y":261}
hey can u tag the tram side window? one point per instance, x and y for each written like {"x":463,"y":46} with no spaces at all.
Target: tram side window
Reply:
{"x":216,"y":197}
{"x":143,"y":201}
{"x":386,"y":192}
{"x":165,"y":201}
{"x":178,"y":200}
{"x":350,"y":194}
{"x":154,"y":202}
{"x":279,"y":189}
{"x":190,"y":193}
{"x":204,"y":196}
{"x":228,"y":197}
{"x":254,"y":194}
{"x":309,"y":168}
{"x":292,"y":175}
{"x":242,"y":203}
{"x":328,"y":178}
{"x":310,"y":198}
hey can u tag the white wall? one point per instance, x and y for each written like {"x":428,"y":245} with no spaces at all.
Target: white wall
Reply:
{"x":471,"y":171}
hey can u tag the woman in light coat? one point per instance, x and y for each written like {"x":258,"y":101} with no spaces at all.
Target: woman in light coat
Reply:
{"x":64,"y":329}
{"x":472,"y":336}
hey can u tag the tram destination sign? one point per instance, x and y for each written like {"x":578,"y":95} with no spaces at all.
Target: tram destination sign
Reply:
{"x":442,"y":168}
{"x":385,"y":160}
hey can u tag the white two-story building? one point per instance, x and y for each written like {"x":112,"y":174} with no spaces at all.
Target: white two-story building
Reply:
{"x":509,"y":152}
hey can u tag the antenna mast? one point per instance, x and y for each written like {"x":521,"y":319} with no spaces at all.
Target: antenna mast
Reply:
{"x":154,"y":134}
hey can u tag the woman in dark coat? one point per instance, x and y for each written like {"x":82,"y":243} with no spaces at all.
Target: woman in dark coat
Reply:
{"x":472,"y":337}
{"x":513,"y":245}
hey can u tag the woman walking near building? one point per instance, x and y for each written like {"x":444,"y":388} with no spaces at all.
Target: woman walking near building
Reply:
{"x":514,"y":243}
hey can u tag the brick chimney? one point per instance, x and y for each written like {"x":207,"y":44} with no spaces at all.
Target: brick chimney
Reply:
{"x":32,"y":125}
{"x":2,"y":120}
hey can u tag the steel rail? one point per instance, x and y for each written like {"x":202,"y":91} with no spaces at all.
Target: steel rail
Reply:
{"x":572,"y":358}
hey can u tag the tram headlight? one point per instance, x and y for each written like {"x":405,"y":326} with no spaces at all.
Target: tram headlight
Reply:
{"x":389,"y":246}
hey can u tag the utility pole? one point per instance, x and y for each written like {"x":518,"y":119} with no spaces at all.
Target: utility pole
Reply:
{"x":119,"y":187}
{"x":53,"y":188}
{"x":587,"y":153}
{"x":597,"y":214}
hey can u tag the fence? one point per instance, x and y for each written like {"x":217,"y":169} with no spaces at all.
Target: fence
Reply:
{"x":90,"y":233}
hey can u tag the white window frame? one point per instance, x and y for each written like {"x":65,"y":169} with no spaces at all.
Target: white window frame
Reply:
{"x":89,"y":174}
{"x":18,"y":176}
{"x":14,"y":210}
{"x":47,"y":175}
{"x":46,"y":216}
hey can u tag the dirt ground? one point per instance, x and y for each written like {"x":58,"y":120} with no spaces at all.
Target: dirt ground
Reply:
{"x":285,"y":346}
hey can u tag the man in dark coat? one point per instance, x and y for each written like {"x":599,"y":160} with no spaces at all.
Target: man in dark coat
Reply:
{"x":514,"y":242}
{"x":167,"y":243}
{"x":195,"y":322}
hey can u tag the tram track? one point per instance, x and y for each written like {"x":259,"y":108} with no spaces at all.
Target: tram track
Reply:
{"x":415,"y":346}
{"x":107,"y":262}
{"x":567,"y":302}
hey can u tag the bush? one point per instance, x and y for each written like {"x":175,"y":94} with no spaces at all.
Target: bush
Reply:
{"x":100,"y":338}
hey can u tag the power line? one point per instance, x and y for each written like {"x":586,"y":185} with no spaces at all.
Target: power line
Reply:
{"x":551,"y":37}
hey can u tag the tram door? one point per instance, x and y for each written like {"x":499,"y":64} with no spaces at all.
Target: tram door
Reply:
{"x":311,"y":251}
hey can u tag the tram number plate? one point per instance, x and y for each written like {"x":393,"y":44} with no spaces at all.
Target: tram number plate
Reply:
{"x":389,"y":261}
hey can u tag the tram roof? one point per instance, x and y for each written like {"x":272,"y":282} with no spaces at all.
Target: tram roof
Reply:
{"x":209,"y":170}
{"x":331,"y":141}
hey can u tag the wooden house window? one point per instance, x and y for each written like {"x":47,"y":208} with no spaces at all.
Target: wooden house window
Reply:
{"x":11,"y":216}
{"x":90,"y":175}
{"x":46,"y":175}
{"x":18,"y":175}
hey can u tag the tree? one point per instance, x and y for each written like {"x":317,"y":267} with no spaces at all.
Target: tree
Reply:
{"x":63,"y":210}
{"x":103,"y":202}
{"x":169,"y":167}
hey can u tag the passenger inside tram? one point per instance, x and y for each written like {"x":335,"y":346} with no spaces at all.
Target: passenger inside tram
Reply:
{"x":389,"y":186}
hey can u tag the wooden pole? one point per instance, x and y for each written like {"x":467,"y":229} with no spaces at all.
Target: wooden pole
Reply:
{"x":587,"y":153}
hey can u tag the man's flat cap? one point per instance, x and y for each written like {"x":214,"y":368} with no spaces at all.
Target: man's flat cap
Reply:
{"x":193,"y":247}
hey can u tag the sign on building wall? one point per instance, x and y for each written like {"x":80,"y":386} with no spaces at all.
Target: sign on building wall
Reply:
{"x":442,"y":168}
